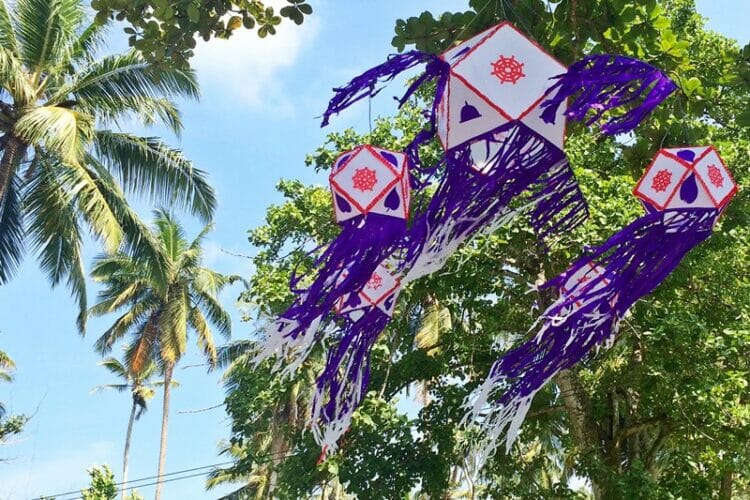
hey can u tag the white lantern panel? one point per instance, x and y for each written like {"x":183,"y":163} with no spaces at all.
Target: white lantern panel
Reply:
{"x":690,"y":193}
{"x":715,"y":177}
{"x":469,"y":114}
{"x":553,"y":132}
{"x":393,"y":203}
{"x":661,"y":180}
{"x":381,"y":284}
{"x":455,"y":54}
{"x":509,"y":70}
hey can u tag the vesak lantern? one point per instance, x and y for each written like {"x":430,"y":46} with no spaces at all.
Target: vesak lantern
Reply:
{"x":344,"y":380}
{"x":370,"y":191}
{"x":496,"y":78}
{"x":686,"y":178}
{"x":370,"y":180}
{"x":685,"y":190}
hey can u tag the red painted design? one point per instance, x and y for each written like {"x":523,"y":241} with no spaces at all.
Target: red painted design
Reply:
{"x":661,"y":181}
{"x":583,"y":279}
{"x":364,"y":179}
{"x":715,"y":176}
{"x":376,"y":281}
{"x":508,"y":69}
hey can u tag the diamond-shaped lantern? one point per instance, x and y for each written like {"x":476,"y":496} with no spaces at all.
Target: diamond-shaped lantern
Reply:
{"x":381,"y":291}
{"x":497,"y":77}
{"x":368,"y":179}
{"x":692,"y":177}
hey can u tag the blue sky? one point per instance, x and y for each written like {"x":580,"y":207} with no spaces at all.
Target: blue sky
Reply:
{"x":254,"y":125}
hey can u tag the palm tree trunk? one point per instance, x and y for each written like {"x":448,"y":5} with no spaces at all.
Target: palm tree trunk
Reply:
{"x":127,"y":449}
{"x":12,"y":154}
{"x":164,"y":421}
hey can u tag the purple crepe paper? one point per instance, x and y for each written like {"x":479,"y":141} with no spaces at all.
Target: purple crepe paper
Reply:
{"x":603,"y":82}
{"x":634,"y":261}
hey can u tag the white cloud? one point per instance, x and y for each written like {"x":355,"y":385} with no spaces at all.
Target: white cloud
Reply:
{"x":245,"y":68}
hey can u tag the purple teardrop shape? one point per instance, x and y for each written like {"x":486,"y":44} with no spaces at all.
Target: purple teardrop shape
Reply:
{"x":353,"y":300}
{"x":390,"y":158}
{"x":393,"y":200}
{"x":686,"y":155}
{"x":689,"y":189}
{"x":342,"y":161}
{"x":388,"y":303}
{"x":343,"y":204}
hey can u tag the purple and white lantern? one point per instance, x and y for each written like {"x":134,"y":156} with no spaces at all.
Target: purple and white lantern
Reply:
{"x":684,"y":190}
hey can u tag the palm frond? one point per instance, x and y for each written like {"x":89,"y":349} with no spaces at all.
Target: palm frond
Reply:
{"x":45,"y":30}
{"x":173,"y":323}
{"x":140,"y":353}
{"x":115,"y":367}
{"x":13,"y":78}
{"x":205,"y":338}
{"x":215,"y":312}
{"x":170,"y":233}
{"x":56,"y":235}
{"x":92,"y":204}
{"x":139,"y":239}
{"x":129,"y":321}
{"x":435,"y":322}
{"x":8,"y":38}
{"x":114,"y":387}
{"x":64,"y":131}
{"x":229,"y":353}
{"x":146,"y":166}
{"x":12,"y":231}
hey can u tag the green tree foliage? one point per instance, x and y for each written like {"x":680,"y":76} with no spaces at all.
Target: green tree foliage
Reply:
{"x":165,"y":31}
{"x":10,"y":425}
{"x":103,"y":486}
{"x":65,"y":164}
{"x":665,"y":413}
{"x":165,"y":293}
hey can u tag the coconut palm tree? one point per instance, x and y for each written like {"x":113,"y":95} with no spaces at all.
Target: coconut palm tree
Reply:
{"x":142,"y":388}
{"x":65,"y":166}
{"x":165,"y":294}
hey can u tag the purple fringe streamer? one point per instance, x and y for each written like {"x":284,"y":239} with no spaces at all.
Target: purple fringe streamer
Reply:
{"x":365,"y":84}
{"x":604,"y":82}
{"x":467,"y":201}
{"x":634,"y":262}
{"x":345,"y":266}
{"x":343,"y":384}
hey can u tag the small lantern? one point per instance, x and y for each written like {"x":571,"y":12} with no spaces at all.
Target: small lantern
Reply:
{"x":368,"y":179}
{"x":693,"y":177}
{"x":497,"y":77}
{"x":381,"y":291}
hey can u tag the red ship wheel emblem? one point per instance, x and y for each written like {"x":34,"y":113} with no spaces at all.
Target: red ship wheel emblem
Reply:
{"x":661,"y":181}
{"x":376,"y":281}
{"x":364,"y":179}
{"x":714,"y":175}
{"x":508,"y":69}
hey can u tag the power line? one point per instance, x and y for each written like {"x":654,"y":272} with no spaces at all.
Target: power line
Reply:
{"x":129,"y":482}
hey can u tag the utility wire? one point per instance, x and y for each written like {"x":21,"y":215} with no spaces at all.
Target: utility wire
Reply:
{"x":129,"y":482}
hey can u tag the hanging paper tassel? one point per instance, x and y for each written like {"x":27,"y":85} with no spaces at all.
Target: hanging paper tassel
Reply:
{"x":481,"y":180}
{"x":365,"y":85}
{"x":604,"y":82}
{"x":596,"y":292}
{"x":370,"y":188}
{"x":344,"y":381}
